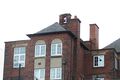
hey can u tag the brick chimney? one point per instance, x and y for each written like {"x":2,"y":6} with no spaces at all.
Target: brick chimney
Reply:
{"x":94,"y":36}
{"x":72,"y":25}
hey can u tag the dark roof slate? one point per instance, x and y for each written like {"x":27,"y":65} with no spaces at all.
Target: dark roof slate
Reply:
{"x":52,"y":28}
{"x":115,"y":45}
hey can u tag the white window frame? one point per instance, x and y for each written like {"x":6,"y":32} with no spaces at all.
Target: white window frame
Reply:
{"x":56,"y":52}
{"x":98,"y":79}
{"x":19,"y":57}
{"x":98,"y":61}
{"x":55,"y":73}
{"x":39,"y":74}
{"x":38,"y":50}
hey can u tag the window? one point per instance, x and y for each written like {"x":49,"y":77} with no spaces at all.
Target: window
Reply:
{"x":56,"y":47}
{"x":98,"y":79}
{"x":56,"y":73}
{"x":40,"y":50}
{"x":98,"y":61}
{"x":39,"y":74}
{"x":19,"y":57}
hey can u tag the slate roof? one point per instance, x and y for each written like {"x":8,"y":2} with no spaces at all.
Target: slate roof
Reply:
{"x":54,"y":28}
{"x":115,"y":45}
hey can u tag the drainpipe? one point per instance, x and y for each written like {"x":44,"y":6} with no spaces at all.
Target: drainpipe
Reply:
{"x":19,"y":72}
{"x":63,"y":69}
{"x":71,"y":76}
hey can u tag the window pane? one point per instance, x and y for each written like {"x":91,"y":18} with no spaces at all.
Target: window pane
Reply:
{"x":22,"y":50}
{"x":52,"y":73}
{"x":16,"y":50}
{"x":37,"y":74}
{"x":96,"y":61}
{"x":43,"y":50}
{"x":42,"y":74}
{"x":16,"y":65}
{"x":59,"y":48}
{"x":22,"y":58}
{"x":58,"y":73}
{"x":16,"y":58}
{"x":37,"y":50}
{"x":101,"y":60}
{"x":53,"y":49}
{"x":22,"y":64}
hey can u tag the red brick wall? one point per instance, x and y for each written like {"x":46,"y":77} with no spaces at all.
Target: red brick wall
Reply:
{"x":106,"y":70}
{"x":9,"y":71}
{"x":67,"y":52}
{"x":28,"y":71}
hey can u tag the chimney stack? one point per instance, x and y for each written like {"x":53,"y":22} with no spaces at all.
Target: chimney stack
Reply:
{"x":74,"y":26}
{"x":94,"y":36}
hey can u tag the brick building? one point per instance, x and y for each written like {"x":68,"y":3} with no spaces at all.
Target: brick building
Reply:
{"x":58,"y":53}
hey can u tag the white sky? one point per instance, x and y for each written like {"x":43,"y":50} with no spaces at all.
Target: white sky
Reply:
{"x":21,"y":17}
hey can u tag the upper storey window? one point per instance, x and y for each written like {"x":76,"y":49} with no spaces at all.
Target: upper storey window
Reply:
{"x":40,"y":49}
{"x":19,"y":57}
{"x":98,"y":61}
{"x":56,"y":47}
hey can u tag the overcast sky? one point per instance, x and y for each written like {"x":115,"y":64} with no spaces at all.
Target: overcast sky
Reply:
{"x":21,"y":17}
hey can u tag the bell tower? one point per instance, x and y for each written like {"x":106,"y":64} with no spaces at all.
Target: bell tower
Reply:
{"x":64,"y":18}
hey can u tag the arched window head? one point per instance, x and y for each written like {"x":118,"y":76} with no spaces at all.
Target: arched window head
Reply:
{"x":40,"y":48}
{"x":56,"y":47}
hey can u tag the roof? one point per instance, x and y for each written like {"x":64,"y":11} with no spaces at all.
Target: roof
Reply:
{"x":54,"y":28}
{"x":115,"y":45}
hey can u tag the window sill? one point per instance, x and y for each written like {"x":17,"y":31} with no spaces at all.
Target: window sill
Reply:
{"x":18,"y":67}
{"x":98,"y":66}
{"x":39,"y":57}
{"x":56,"y":56}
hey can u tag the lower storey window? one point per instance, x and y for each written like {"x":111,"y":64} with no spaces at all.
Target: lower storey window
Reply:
{"x":98,"y":77}
{"x":55,"y":74}
{"x":39,"y":74}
